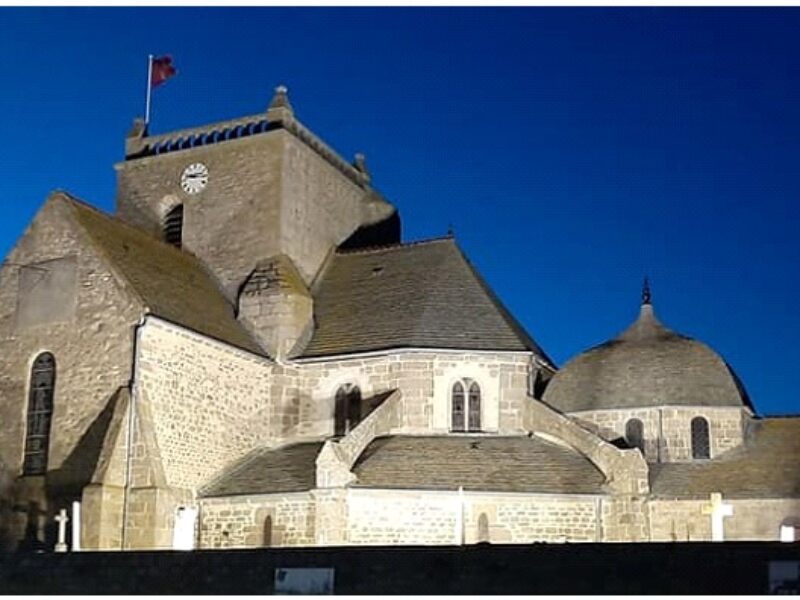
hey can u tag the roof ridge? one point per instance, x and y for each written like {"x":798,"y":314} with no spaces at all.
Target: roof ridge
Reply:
{"x":82,"y":204}
{"x":511,"y":321}
{"x":396,"y":245}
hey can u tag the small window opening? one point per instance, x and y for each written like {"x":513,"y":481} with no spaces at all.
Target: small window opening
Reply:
{"x":173,"y":226}
{"x":268,"y":531}
{"x":701,"y":447}
{"x":634,"y":434}
{"x":347,"y":410}
{"x":483,"y":529}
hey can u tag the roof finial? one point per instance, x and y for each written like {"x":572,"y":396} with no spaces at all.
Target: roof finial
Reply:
{"x":646,"y":295}
{"x":280,"y":102}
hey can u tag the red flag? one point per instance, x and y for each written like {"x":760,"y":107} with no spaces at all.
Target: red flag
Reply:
{"x":162,"y":70}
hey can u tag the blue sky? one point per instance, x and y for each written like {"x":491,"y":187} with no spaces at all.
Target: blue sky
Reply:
{"x":572,"y":150}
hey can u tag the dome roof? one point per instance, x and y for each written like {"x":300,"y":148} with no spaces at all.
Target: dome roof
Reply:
{"x":646,"y":365}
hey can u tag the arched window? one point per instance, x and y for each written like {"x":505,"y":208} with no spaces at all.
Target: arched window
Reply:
{"x":268,"y":531}
{"x":465,"y":406}
{"x":347,"y":412}
{"x":483,"y":528}
{"x":40,"y":412}
{"x":634,"y":434}
{"x":173,"y":226}
{"x":701,"y":447}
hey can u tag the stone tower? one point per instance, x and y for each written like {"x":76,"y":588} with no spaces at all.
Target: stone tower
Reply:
{"x":249,"y":189}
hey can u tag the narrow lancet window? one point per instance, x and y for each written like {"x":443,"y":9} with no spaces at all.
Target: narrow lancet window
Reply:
{"x":701,"y":448}
{"x":634,"y":434}
{"x":173,"y":226}
{"x":465,"y":406}
{"x":457,"y":419}
{"x":347,"y":409}
{"x":474,"y":407}
{"x":268,"y":531}
{"x":40,"y":412}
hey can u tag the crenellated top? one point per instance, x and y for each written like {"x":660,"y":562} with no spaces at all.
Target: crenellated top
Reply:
{"x":138,"y":144}
{"x":279,"y":115}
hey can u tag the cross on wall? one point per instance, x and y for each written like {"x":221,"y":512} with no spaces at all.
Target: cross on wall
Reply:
{"x":717,"y":510}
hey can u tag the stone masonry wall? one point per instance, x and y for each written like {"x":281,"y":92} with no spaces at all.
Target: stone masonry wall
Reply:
{"x":386,"y":517}
{"x":210,"y":403}
{"x":320,"y":207}
{"x":239,"y":522}
{"x":92,"y":349}
{"x":672,"y":425}
{"x":752,"y":520}
{"x":425,"y":379}
{"x":266,"y":194}
{"x":230,"y":224}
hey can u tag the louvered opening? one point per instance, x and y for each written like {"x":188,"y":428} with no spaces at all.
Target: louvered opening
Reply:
{"x":173,"y":226}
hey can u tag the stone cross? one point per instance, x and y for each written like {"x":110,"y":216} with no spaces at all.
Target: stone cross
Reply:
{"x":62,"y":519}
{"x":718,"y":511}
{"x":460,"y":517}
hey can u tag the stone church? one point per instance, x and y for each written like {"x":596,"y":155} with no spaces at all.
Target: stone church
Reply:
{"x":246,"y":354}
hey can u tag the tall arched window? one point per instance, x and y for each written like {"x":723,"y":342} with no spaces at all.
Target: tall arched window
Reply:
{"x":701,"y":448}
{"x":173,"y":226}
{"x":40,"y":412}
{"x":347,"y":411}
{"x":634,"y":434}
{"x":465,"y":406}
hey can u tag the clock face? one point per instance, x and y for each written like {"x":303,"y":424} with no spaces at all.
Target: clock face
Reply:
{"x":194,"y":178}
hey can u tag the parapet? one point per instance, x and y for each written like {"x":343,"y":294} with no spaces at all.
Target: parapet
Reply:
{"x":279,"y":115}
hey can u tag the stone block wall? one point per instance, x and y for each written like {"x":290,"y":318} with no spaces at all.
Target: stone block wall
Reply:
{"x":267,"y":194}
{"x":229,"y":225}
{"x":387,"y":517}
{"x":757,"y":519}
{"x":667,"y":430}
{"x":624,"y":518}
{"x":361,"y":516}
{"x":210,"y":403}
{"x":521,"y":519}
{"x":92,"y":346}
{"x":240,"y":521}
{"x":425,"y":379}
{"x":320,"y":207}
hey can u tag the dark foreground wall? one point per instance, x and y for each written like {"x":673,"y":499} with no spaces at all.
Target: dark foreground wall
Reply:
{"x":727,"y":568}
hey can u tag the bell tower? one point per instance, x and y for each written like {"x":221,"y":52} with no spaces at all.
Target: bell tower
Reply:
{"x":238,"y":192}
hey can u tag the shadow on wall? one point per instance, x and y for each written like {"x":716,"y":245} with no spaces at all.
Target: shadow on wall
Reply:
{"x":6,"y":505}
{"x":29,"y":504}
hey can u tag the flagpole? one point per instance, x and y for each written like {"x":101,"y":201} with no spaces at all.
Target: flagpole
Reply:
{"x":149,"y":89}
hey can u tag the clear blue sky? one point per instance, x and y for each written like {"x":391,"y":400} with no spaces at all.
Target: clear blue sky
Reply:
{"x":573,"y":150}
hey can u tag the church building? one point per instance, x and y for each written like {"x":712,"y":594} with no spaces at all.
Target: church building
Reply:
{"x":247,"y":354}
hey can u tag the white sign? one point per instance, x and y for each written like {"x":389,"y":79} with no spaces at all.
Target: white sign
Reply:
{"x":303,"y":581}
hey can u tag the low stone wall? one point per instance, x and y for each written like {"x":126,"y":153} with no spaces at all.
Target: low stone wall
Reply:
{"x":752,"y":520}
{"x":241,"y":522}
{"x":386,"y":517}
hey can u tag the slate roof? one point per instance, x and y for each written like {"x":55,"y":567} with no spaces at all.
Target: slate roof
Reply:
{"x":765,"y":466}
{"x":172,"y":283}
{"x":423,"y":294}
{"x":502,"y":464}
{"x":290,"y":468}
{"x":646,"y":365}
